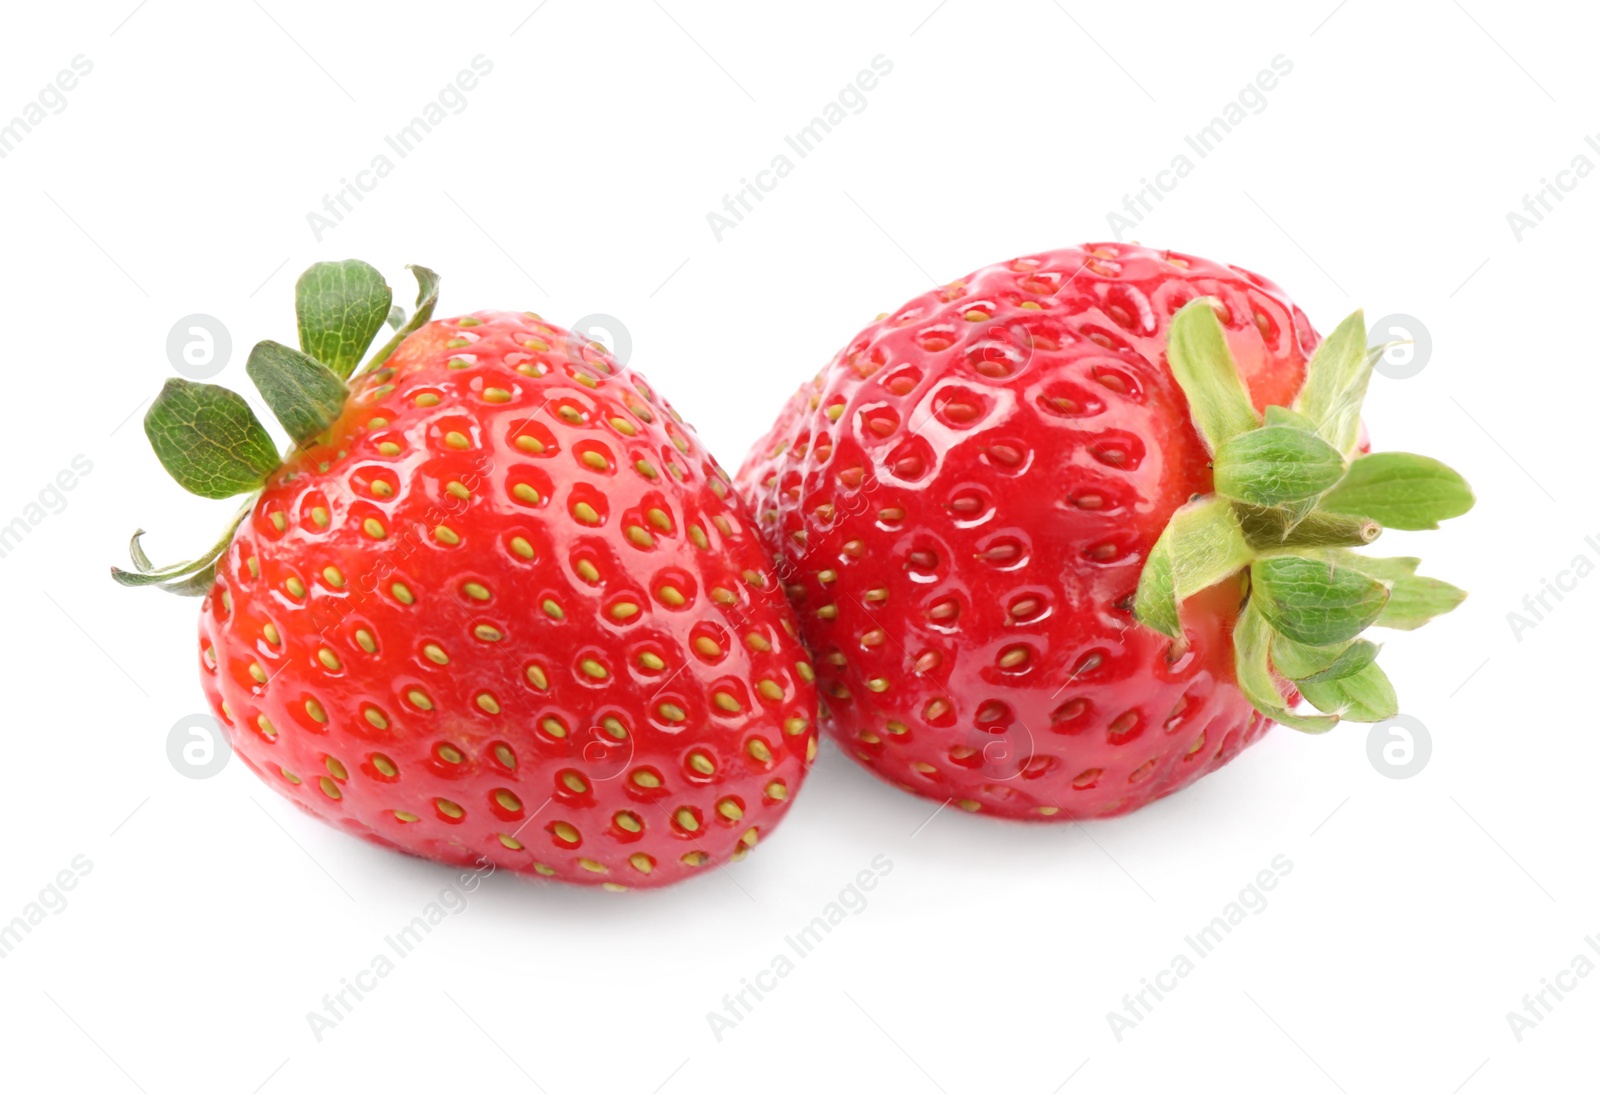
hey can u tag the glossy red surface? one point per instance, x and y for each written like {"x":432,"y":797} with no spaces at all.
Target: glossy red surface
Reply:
{"x":510,"y":612}
{"x":961,"y":504}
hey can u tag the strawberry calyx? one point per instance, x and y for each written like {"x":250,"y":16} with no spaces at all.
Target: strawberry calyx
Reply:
{"x":1293,"y":497}
{"x":212,"y":443}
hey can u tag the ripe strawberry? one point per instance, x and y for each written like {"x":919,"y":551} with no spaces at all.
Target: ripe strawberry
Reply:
{"x":497,"y":604}
{"x":967,"y":500}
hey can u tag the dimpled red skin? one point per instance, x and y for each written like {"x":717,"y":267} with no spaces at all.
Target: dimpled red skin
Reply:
{"x":468,"y":747}
{"x":961,"y":504}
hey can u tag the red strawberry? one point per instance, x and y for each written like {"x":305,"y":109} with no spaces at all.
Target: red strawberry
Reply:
{"x":496,"y":605}
{"x":966,"y":501}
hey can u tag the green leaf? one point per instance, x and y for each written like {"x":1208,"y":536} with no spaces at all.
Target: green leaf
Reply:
{"x":1313,"y":664}
{"x":1252,"y":640}
{"x":341,"y":307}
{"x":1313,"y":601}
{"x":1336,"y":383}
{"x":1413,"y":600}
{"x":303,"y":392}
{"x":1200,"y":546}
{"x":1365,"y":695}
{"x":208,"y":439}
{"x":1274,"y":465}
{"x":1399,"y":490}
{"x":427,"y":299}
{"x":1197,"y":353}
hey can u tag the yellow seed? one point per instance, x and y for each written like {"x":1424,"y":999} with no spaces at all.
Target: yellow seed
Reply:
{"x":510,"y":842}
{"x":508,"y":801}
{"x":265,"y":727}
{"x":257,"y":673}
{"x":329,"y":659}
{"x":388,"y":448}
{"x":671,"y":712}
{"x":319,"y":516}
{"x":335,"y":768}
{"x":507,"y":758}
{"x":553,"y":610}
{"x":595,"y":460}
{"x":333,"y":576}
{"x":614,"y":727}
{"x":707,"y":647}
{"x":652,"y":662}
{"x":628,"y":822}
{"x":314,"y":709}
{"x":698,"y":536}
{"x":487,"y":703}
{"x":593,"y":669}
{"x":777,"y":791}
{"x":525,"y":493}
{"x":330,"y":788}
{"x":770,"y":689}
{"x":450,"y":754}
{"x":553,"y":727}
{"x":296,"y":587}
{"x":279,"y":521}
{"x":365,"y":640}
{"x":758,"y":750}
{"x":574,"y":783}
{"x":384,"y":766}
{"x":449,"y":808}
{"x":804,"y":671}
{"x":644,"y":468}
{"x":795,"y":726}
{"x":1013,"y":658}
{"x":725,"y":701}
{"x":405,"y":818}
{"x":434,"y":653}
{"x":730,"y":809}
{"x":647,"y":779}
{"x":695,"y":858}
{"x":382,"y":489}
{"x":623,"y":426}
{"x":565,"y":832}
{"x":456,"y":440}
{"x":289,"y":775}
{"x":686,"y":820}
{"x":496,"y":395}
{"x":537,"y":678}
{"x":878,"y":684}
{"x":475,"y":590}
{"x":587,"y":571}
{"x":375,"y":718}
{"x":543,"y":870}
{"x":402,"y":594}
{"x":639,"y":537}
{"x":585,"y":512}
{"x":530,"y":444}
{"x":749,"y":838}
{"x":521,"y":547}
{"x":374,"y":528}
{"x":457,"y":490}
{"x":592,"y":866}
{"x":444,"y":535}
{"x":427,"y":398}
{"x":624,"y":610}
{"x":671,"y":596}
{"x":642,"y":862}
{"x":757,"y":642}
{"x":702,"y":763}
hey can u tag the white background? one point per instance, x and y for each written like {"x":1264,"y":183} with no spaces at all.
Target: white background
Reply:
{"x":577,"y":180}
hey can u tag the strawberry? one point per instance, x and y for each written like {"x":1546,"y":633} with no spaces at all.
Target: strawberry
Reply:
{"x":1072,"y":531}
{"x":496,"y":605}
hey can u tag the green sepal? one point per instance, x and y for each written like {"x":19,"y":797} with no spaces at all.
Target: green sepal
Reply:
{"x":1314,"y":602}
{"x":304,"y":394}
{"x":1197,"y":353}
{"x":1365,"y":695}
{"x":397,"y":317}
{"x":1413,"y":599}
{"x":1252,"y":640}
{"x":208,"y":439}
{"x":1400,"y":490}
{"x":341,"y":306}
{"x":1201,"y":545}
{"x":1336,"y":383}
{"x":183,"y":578}
{"x":427,"y":299}
{"x":1313,"y":664}
{"x":1282,"y":415}
{"x":1275,"y":465}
